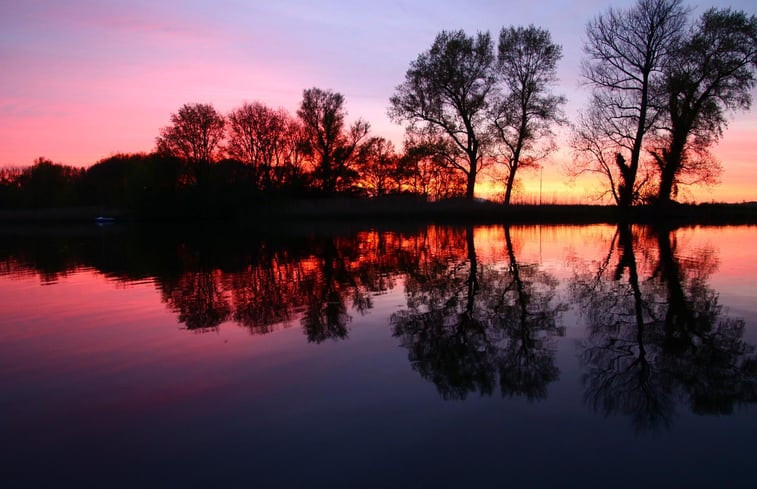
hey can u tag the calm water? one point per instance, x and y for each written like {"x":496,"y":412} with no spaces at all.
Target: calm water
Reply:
{"x":420,"y":357}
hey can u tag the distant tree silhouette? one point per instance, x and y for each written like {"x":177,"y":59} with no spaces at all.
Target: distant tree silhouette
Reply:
{"x":427,"y":171}
{"x":195,"y":135}
{"x":331,"y":146}
{"x":260,"y":137}
{"x":144,"y":183}
{"x":377,"y":164}
{"x":10,"y":187}
{"x":48,"y":184}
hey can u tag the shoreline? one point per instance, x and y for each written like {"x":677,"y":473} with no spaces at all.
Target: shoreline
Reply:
{"x":400,"y":209}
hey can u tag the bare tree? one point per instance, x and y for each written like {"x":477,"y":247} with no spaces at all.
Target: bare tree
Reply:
{"x":431,"y":170}
{"x":595,"y":152}
{"x":258,"y":137}
{"x":712,"y":72}
{"x":626,"y":53}
{"x":332,"y":146}
{"x":446,"y":93}
{"x":377,"y":163}
{"x":195,"y":134}
{"x":522,"y":118}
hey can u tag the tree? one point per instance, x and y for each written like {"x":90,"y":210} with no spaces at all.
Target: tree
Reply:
{"x":331,"y":146}
{"x":711,"y":73}
{"x":378,"y":163}
{"x":10,"y":187}
{"x":258,"y":138}
{"x":48,"y":184}
{"x":291,"y":171}
{"x":195,"y":134}
{"x":447,"y":92}
{"x":428,"y":168}
{"x":627,"y":51}
{"x":526,"y":66}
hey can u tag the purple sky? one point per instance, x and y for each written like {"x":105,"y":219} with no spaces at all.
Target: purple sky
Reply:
{"x":85,"y":79}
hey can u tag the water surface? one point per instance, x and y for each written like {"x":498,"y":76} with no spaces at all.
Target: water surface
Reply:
{"x":422,"y":356}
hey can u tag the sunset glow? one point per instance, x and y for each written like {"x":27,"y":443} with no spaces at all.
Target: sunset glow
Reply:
{"x":86,"y":79}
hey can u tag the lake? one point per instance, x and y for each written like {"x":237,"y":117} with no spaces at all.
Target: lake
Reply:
{"x":351,"y":356}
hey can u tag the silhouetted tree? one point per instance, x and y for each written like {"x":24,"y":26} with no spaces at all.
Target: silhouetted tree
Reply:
{"x":446,"y":93}
{"x":428,"y":170}
{"x":332,"y":146}
{"x":710,"y":73}
{"x":377,"y":163}
{"x":195,"y":135}
{"x":523,"y":115}
{"x":10,"y":187}
{"x":626,"y":50}
{"x":260,"y":137}
{"x":137,"y":182}
{"x":48,"y":184}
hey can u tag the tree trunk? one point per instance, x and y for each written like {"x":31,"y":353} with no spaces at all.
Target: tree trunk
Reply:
{"x":665,"y":192}
{"x":625,"y":193}
{"x":626,"y":184}
{"x":672,"y":158}
{"x":471,"y":184}
{"x":629,"y":176}
{"x":509,"y":186}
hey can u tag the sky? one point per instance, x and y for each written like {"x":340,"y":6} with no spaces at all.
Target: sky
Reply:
{"x":84,"y":79}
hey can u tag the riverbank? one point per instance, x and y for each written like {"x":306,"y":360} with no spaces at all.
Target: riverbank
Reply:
{"x":400,"y":209}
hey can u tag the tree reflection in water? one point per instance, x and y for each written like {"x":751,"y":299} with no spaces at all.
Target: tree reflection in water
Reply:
{"x":657,"y":334}
{"x":469,"y":326}
{"x":272,"y":287}
{"x":481,"y":322}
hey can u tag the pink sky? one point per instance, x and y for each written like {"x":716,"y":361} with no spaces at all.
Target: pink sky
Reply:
{"x":84,"y":79}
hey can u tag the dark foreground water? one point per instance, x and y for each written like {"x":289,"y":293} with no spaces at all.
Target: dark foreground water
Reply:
{"x":430,"y":356}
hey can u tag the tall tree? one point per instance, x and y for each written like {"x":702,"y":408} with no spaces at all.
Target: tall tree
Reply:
{"x":195,"y":134}
{"x":712,"y":72}
{"x":447,"y":92}
{"x":258,"y":137}
{"x":626,"y":53}
{"x":332,"y":146}
{"x":522,"y":117}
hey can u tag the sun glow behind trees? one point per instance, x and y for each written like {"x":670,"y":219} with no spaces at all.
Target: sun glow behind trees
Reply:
{"x":90,"y":99}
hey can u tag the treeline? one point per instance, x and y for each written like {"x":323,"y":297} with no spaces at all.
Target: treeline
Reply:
{"x":662,"y":87}
{"x":205,"y":161}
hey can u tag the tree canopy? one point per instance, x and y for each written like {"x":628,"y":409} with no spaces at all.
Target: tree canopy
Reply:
{"x":711,"y":73}
{"x":627,"y":52}
{"x":525,"y":111}
{"x":446,"y":93}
